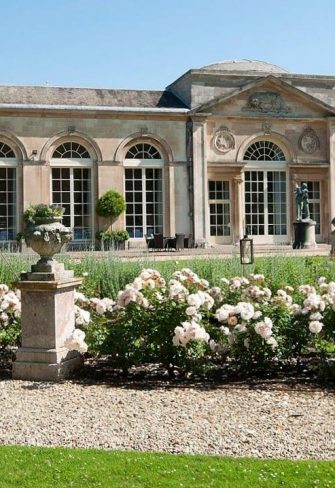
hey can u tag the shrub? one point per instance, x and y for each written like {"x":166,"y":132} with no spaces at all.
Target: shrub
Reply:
{"x":113,"y":235}
{"x":180,"y":320}
{"x":186,"y":323}
{"x":10,"y":326}
{"x":111,"y":205}
{"x":42,"y":211}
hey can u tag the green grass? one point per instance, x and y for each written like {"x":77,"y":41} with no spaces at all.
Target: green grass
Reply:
{"x":30,"y":467}
{"x":108,"y":275}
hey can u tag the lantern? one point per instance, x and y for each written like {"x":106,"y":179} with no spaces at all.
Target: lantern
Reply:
{"x":246,"y":250}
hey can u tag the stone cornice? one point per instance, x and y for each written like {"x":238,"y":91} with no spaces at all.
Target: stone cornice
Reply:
{"x":227,"y":164}
{"x":308,"y":164}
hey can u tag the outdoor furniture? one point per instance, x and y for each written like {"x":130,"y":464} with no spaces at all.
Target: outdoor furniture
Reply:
{"x":149,"y":239}
{"x":170,"y":243}
{"x":158,"y":242}
{"x":180,"y":242}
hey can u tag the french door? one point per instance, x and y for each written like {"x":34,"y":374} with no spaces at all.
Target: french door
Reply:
{"x":219,"y":211}
{"x":265,"y":206}
{"x":71,"y":188}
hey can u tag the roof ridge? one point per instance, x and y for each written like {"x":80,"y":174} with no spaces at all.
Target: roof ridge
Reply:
{"x":8,"y":85}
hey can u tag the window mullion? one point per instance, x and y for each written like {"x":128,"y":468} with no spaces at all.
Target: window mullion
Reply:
{"x":266,"y":205}
{"x":71,"y":199}
{"x":144,"y":203}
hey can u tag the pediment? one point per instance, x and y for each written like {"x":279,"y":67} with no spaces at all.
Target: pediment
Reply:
{"x":270,"y":97}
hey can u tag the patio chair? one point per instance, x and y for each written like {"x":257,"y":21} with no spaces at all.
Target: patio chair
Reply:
{"x":149,"y":239}
{"x":188,"y":241}
{"x":158,"y":242}
{"x":180,"y":239}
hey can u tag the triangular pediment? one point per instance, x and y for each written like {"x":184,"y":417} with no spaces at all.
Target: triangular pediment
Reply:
{"x":270,"y":97}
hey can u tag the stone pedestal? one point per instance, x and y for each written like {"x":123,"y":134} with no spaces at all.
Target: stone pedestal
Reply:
{"x":304,"y":234}
{"x":47,"y":298}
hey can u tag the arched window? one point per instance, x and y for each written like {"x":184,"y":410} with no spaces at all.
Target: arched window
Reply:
{"x":71,"y":150}
{"x":265,"y":192}
{"x":72,"y":187}
{"x":143,"y":151}
{"x":7,"y":193}
{"x":144,"y":190}
{"x":6,"y":151}
{"x":264,"y":151}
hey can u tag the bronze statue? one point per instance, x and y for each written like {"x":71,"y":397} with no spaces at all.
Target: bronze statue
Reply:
{"x":302,"y":201}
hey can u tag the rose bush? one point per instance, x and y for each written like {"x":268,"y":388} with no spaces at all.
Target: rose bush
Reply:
{"x":186,"y":323}
{"x":10,"y":323}
{"x":189,"y":324}
{"x":10,"y":311}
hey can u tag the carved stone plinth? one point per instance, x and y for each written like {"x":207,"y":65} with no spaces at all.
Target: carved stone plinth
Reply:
{"x":304,"y":234}
{"x":47,"y":270}
{"x":47,"y":320}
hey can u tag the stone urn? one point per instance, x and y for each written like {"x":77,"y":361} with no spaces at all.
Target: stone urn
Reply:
{"x":46,"y":236}
{"x":47,"y":300}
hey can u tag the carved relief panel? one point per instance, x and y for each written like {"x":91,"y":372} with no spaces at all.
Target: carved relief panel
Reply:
{"x":309,"y":141}
{"x":223,"y":140}
{"x":266,"y":102}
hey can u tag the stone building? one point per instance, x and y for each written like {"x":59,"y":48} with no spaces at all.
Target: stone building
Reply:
{"x":216,"y":153}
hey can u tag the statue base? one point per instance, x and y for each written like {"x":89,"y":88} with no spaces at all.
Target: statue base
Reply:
{"x":304,"y":234}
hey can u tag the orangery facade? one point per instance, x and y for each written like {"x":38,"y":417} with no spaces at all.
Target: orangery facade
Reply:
{"x":216,"y":154}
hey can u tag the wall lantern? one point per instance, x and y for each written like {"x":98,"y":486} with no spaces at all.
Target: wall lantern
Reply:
{"x":246,"y":250}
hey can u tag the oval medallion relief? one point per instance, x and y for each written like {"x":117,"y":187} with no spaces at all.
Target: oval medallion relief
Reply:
{"x":309,"y":141}
{"x":224,"y":140}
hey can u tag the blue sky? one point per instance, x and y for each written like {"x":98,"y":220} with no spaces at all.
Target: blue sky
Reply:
{"x":146,"y":44}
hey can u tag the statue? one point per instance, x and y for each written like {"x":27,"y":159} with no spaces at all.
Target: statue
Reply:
{"x":302,"y":202}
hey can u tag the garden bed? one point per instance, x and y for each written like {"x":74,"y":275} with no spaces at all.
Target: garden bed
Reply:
{"x":211,"y":323}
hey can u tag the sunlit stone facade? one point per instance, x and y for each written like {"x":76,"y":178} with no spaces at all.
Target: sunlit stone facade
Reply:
{"x":215,"y":154}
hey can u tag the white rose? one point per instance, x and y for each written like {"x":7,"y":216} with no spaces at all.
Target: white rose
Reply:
{"x":315,"y":326}
{"x":191,"y":311}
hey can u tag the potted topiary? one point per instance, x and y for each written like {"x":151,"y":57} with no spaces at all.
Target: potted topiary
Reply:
{"x":110,"y":206}
{"x":44,"y":231}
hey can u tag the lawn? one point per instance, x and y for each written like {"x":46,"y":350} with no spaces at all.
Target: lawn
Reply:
{"x":31,"y":467}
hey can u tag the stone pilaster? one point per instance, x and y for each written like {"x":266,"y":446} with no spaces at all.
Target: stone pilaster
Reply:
{"x":237,"y":211}
{"x":200,"y":184}
{"x":170,"y":206}
{"x":331,"y":204}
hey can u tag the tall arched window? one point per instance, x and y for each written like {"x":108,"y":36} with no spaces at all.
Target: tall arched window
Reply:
{"x":265,"y":193}
{"x":72,"y":187}
{"x":8,"y":210}
{"x":144,"y":190}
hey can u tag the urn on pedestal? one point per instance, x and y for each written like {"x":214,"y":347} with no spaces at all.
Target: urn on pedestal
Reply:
{"x":47,"y":300}
{"x":46,"y":235}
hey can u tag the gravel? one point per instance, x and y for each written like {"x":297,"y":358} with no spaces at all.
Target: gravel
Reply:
{"x":231,"y":421}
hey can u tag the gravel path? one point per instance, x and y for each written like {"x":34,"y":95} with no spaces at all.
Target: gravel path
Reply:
{"x":230,"y":421}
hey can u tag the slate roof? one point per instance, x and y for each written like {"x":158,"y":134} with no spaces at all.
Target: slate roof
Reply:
{"x":95,"y":97}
